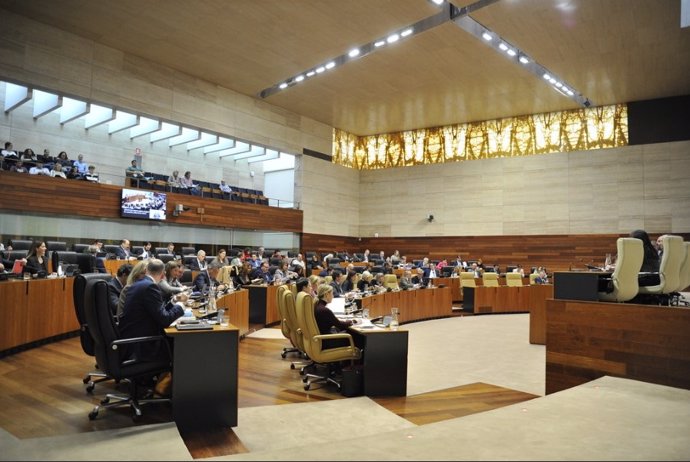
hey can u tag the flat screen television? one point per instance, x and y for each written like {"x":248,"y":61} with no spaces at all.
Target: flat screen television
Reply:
{"x":147,"y":205}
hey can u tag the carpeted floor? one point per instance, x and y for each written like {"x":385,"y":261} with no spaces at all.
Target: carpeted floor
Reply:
{"x":612,"y":419}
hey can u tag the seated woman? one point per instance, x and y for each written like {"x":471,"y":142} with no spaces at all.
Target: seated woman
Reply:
{"x":650,"y":261}
{"x":326,"y":320}
{"x":57,"y":171}
{"x":36,"y":260}
{"x":222,"y":258}
{"x":63,"y":159}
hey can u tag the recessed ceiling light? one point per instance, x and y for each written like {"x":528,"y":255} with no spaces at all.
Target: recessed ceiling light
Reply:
{"x":330,"y":65}
{"x":283,"y":86}
{"x":406,"y":32}
{"x":486,"y":36}
{"x":320,"y":69}
{"x":380,"y":43}
{"x":354,"y":52}
{"x":310,"y":73}
{"x":511,"y":52}
{"x":503,"y":46}
{"x":299,"y":78}
{"x":523,"y":59}
{"x":392,"y":38}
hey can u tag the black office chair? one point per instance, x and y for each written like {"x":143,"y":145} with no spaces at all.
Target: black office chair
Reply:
{"x":165,"y":257}
{"x":188,"y":251}
{"x":80,"y":248}
{"x":186,"y":277}
{"x":56,"y":245}
{"x":112,"y":353}
{"x":87,"y":345}
{"x":161,"y":251}
{"x":21,"y":244}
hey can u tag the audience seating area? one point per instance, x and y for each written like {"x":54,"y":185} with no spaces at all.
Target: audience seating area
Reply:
{"x":159,"y":182}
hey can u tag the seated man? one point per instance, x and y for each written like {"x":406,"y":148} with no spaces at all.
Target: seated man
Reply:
{"x":39,"y":169}
{"x":263,"y":274}
{"x":199,"y":263}
{"x":225,"y":188}
{"x":122,"y":252}
{"x":209,"y":279}
{"x":406,"y":280}
{"x":133,"y":171}
{"x":79,"y":166}
{"x":146,"y":313}
{"x":9,"y":151}
{"x":116,"y":284}
{"x":19,"y":167}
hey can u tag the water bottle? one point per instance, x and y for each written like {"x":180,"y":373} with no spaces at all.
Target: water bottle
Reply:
{"x":394,"y":318}
{"x":221,"y":321}
{"x":212,"y":300}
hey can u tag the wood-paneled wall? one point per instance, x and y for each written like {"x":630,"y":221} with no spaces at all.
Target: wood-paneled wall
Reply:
{"x":56,"y":196}
{"x":556,"y":252}
{"x":587,"y":340}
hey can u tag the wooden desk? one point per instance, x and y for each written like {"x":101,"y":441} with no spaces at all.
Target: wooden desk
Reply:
{"x":384,"y":361}
{"x":537,"y":313}
{"x":454,"y":284}
{"x":504,"y":299}
{"x":577,"y":285}
{"x":35,"y":310}
{"x":236,"y":305}
{"x":587,"y":340}
{"x":414,"y":305}
{"x":205,"y":377}
{"x":263,"y":305}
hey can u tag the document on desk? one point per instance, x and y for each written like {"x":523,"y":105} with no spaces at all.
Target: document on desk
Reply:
{"x":337,"y":306}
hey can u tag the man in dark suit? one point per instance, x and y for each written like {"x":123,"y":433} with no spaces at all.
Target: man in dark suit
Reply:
{"x":337,"y":282}
{"x":146,"y":313}
{"x":199,"y":263}
{"x":208,"y":279}
{"x":116,"y":284}
{"x":262,"y":273}
{"x":122,"y":252}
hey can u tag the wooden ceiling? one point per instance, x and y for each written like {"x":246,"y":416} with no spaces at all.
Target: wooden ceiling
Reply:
{"x":610,"y":50}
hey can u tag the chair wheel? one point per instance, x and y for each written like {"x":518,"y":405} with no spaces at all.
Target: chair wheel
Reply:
{"x":282,"y":355}
{"x":86,"y":380}
{"x":90,"y":387}
{"x":305,"y":379}
{"x":93,"y":414}
{"x":306,"y":387}
{"x":292,"y":366}
{"x":105,"y":400}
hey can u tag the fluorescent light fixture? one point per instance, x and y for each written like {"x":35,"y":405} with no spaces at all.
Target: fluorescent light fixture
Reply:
{"x":45,"y":103}
{"x":462,"y":19}
{"x":72,"y":109}
{"x":299,"y":78}
{"x":98,"y":115}
{"x":438,"y":2}
{"x":146,"y":126}
{"x":15,"y":96}
{"x":367,"y":48}
{"x":123,"y":121}
{"x":222,"y":144}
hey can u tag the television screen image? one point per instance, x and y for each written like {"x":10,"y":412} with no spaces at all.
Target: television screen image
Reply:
{"x":148,"y":205}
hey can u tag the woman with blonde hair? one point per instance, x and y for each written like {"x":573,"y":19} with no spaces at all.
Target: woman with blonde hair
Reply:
{"x":138,"y":272}
{"x":326,"y":320}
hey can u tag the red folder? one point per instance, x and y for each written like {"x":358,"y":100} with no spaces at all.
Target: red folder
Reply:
{"x":18,"y":267}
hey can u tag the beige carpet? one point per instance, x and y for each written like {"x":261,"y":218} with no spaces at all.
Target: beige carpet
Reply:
{"x":306,"y":424}
{"x":607,"y":419}
{"x":269,"y":333}
{"x":146,"y":442}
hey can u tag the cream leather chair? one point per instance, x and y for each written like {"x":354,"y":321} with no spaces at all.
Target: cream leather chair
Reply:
{"x":467,"y":279}
{"x":513,"y":279}
{"x":284,"y":324}
{"x":490,"y":279}
{"x":669,"y":269}
{"x":533,"y":279}
{"x":684,"y":276}
{"x":313,"y":342}
{"x":390,"y":281}
{"x":624,"y":278}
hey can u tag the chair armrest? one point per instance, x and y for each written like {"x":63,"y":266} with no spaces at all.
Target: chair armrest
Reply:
{"x":323,"y":337}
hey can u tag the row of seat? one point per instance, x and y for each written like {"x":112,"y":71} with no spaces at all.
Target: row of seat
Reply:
{"x":159,"y":182}
{"x":467,"y":279}
{"x":298,"y":324}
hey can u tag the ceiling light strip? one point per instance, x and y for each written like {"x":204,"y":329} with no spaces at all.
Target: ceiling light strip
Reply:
{"x":360,"y":51}
{"x":521,"y":58}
